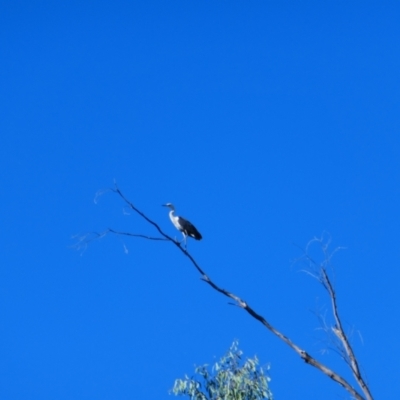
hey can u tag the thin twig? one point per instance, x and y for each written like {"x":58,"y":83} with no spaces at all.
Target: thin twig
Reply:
{"x":136,"y":235}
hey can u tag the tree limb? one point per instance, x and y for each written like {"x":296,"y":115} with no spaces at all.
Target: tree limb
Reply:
{"x":241,"y":303}
{"x":341,"y":334}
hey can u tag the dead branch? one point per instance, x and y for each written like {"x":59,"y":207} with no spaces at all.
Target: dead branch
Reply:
{"x":242,"y":304}
{"x":341,"y":335}
{"x":135,"y":235}
{"x":341,"y":339}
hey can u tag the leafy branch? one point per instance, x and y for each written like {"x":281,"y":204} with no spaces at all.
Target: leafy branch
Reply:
{"x":229,"y":379}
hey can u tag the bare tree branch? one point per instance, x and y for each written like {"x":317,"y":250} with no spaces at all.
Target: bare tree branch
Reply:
{"x":341,"y":335}
{"x":242,"y":304}
{"x":337,"y":332}
{"x":135,"y":235}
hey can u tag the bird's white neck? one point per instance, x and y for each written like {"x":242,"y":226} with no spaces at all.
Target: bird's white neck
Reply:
{"x":174,"y":219}
{"x":172,"y":214}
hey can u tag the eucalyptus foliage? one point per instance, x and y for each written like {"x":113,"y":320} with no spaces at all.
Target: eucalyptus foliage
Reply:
{"x":229,"y":379}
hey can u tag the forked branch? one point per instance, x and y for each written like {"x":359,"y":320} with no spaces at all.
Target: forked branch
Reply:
{"x":342,"y":336}
{"x":242,"y":304}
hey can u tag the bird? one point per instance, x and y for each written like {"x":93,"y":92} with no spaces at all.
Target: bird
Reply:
{"x":182,"y":224}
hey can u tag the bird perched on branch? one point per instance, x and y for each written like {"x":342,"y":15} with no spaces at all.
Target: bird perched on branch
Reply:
{"x":182,"y":224}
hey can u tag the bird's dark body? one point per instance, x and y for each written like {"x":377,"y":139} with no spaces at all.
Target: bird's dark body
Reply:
{"x":188,"y":229}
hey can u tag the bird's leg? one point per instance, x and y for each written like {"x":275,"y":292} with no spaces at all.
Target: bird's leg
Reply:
{"x":180,"y":241}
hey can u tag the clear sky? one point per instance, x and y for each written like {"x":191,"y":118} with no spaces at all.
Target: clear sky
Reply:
{"x":265,"y":123}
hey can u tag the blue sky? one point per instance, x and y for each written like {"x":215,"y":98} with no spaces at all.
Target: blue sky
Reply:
{"x":265,"y":123}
